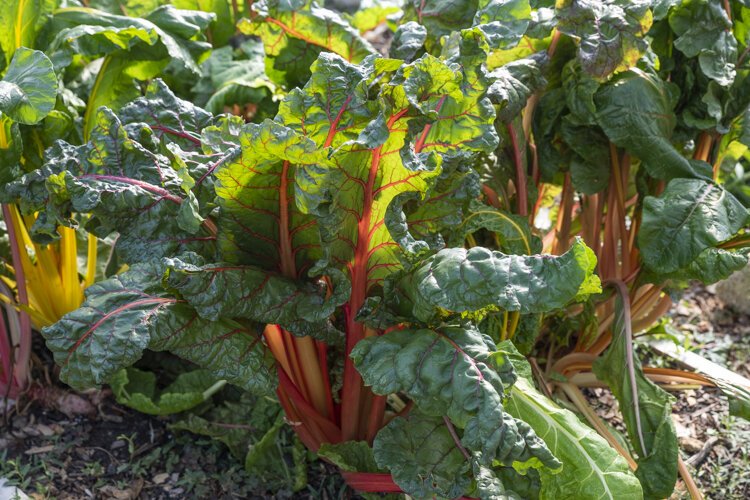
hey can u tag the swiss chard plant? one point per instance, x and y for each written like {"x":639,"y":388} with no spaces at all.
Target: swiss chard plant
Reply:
{"x":396,"y":245}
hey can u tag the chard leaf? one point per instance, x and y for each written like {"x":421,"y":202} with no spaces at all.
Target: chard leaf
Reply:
{"x":591,"y":468}
{"x":235,"y":77}
{"x":422,"y":457}
{"x":96,"y":33}
{"x":351,"y":456}
{"x":513,"y":234}
{"x":177,"y":120}
{"x":690,"y":216}
{"x":137,"y":389}
{"x":610,"y":32}
{"x":131,"y":312}
{"x":461,"y":280}
{"x":244,"y":292}
{"x":503,"y":22}
{"x":711,"y":265}
{"x":125,"y":187}
{"x":371,"y":163}
{"x":703,"y":29}
{"x":20,"y":22}
{"x":294,"y":34}
{"x":28,"y":90}
{"x":646,"y":409}
{"x":408,"y":41}
{"x":635,"y":110}
{"x":453,"y":372}
{"x":262,"y":182}
{"x":515,"y":82}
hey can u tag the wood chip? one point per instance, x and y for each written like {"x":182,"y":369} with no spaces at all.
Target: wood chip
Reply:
{"x":36,"y":450}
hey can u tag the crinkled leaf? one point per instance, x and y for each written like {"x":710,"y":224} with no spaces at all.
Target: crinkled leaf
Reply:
{"x":452,"y":372}
{"x":646,"y":410}
{"x":295,"y":32}
{"x":422,"y":457}
{"x":408,"y":41}
{"x":130,"y":312}
{"x":513,"y":234}
{"x":260,"y":222}
{"x":711,"y":265}
{"x":690,"y":216}
{"x":503,"y":22}
{"x":167,"y":115}
{"x":635,"y":110}
{"x":125,"y":187}
{"x":224,"y":291}
{"x":28,"y":90}
{"x":515,"y":82}
{"x":460,"y":280}
{"x":610,"y":32}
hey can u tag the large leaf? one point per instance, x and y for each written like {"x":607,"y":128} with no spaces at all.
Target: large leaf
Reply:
{"x":260,"y":222}
{"x":646,"y":409}
{"x":690,"y":216}
{"x":591,"y":469}
{"x":20,"y":21}
{"x":125,"y":187}
{"x":515,"y":82}
{"x":636,"y":112}
{"x":703,"y":29}
{"x":130,"y":312}
{"x":422,"y":457}
{"x":461,"y":280}
{"x":180,"y":40}
{"x":610,"y":32}
{"x":223,"y":291}
{"x":28,"y":90}
{"x":295,"y":32}
{"x":453,"y":372}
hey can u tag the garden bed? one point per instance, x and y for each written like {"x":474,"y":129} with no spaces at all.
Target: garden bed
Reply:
{"x":121,"y":454}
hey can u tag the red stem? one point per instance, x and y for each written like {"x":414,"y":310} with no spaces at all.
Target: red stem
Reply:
{"x":522,"y":195}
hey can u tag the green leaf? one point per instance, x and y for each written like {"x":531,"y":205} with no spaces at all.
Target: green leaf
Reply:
{"x":503,"y":22}
{"x":711,"y":265}
{"x":179,"y":32}
{"x":222,"y":27}
{"x":610,"y":32}
{"x":690,"y":216}
{"x":462,"y":280}
{"x":372,"y":13}
{"x":137,"y":389}
{"x":262,"y":181}
{"x":224,"y":291}
{"x":131,"y":312}
{"x":125,"y":187}
{"x":646,"y":409}
{"x":513,"y":234}
{"x":703,"y":29}
{"x":28,"y":90}
{"x":635,"y":110}
{"x":11,"y":150}
{"x":350,"y":456}
{"x":231,"y":77}
{"x":453,"y":372}
{"x":132,"y":8}
{"x":408,"y":41}
{"x":440,"y":17}
{"x":422,"y":457}
{"x":295,"y":32}
{"x":591,"y":469}
{"x":515,"y":82}
{"x":20,"y":22}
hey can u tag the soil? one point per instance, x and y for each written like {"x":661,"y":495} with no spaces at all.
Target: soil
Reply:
{"x":65,"y":445}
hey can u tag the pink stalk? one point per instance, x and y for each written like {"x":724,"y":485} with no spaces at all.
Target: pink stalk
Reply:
{"x":21,"y":369}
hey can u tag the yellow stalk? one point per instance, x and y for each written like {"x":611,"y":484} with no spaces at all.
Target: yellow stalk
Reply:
{"x":69,"y":268}
{"x":91,"y":256}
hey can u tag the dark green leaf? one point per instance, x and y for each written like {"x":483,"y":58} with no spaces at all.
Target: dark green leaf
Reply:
{"x":28,"y":90}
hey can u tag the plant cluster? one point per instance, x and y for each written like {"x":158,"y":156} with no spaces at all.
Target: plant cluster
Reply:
{"x":418,"y":247}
